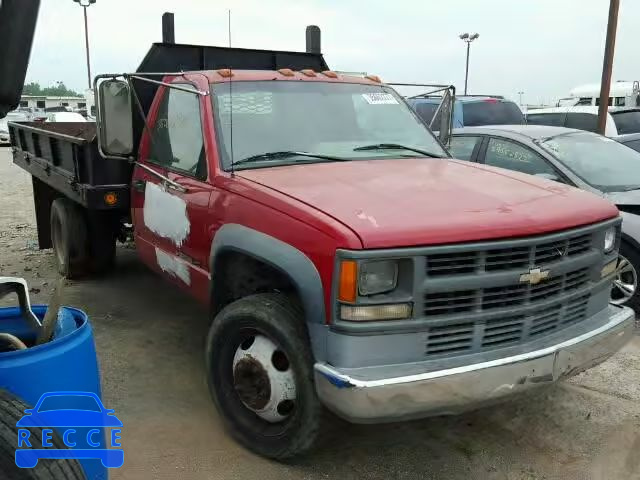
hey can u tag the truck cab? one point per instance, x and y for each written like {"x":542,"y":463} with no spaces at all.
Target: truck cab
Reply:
{"x":347,"y":261}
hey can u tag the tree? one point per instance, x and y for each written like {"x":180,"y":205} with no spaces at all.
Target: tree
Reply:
{"x":59,"y":89}
{"x":32,"y":88}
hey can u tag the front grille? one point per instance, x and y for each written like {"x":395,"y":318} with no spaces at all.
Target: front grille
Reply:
{"x":506,"y":258}
{"x":465,"y":337}
{"x":490,"y":298}
{"x":475,"y":299}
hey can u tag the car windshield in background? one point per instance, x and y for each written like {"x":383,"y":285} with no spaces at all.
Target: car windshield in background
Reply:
{"x":491,"y":112}
{"x":426,"y":110}
{"x":627,"y":122}
{"x":601,"y":162}
{"x":635,"y":144}
{"x":319,"y":118}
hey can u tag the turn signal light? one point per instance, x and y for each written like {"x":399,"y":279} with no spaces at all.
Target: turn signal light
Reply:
{"x":348,"y":280}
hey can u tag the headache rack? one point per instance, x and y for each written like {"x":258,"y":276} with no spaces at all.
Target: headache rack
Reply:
{"x":168,"y":57}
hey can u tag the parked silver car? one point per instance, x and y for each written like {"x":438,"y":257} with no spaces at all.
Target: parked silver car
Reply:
{"x":4,"y":129}
{"x":577,"y":158}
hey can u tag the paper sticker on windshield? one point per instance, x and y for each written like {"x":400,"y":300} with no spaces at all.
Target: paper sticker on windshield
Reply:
{"x":379,"y":98}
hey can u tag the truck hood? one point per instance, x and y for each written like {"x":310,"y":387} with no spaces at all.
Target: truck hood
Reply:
{"x":410,"y":202}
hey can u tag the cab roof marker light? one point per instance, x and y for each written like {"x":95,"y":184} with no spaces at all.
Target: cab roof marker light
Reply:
{"x":308,"y":72}
{"x":373,"y":78}
{"x":225,"y":72}
{"x":287,"y":72}
{"x":330,"y":74}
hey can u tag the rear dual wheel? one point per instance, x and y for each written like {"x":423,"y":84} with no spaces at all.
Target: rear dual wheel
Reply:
{"x":260,"y":374}
{"x":82,"y":244}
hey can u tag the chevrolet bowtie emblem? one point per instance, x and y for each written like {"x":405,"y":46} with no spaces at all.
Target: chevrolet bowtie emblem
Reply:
{"x":534,"y":276}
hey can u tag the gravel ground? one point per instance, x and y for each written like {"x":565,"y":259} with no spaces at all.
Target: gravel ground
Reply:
{"x":150,"y":341}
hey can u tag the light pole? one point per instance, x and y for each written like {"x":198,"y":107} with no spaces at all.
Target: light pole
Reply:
{"x":521,"y":93}
{"x":607,"y":65}
{"x":468,"y":38}
{"x":84,"y":4}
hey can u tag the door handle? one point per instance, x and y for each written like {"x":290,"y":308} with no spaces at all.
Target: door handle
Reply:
{"x":138,"y":185}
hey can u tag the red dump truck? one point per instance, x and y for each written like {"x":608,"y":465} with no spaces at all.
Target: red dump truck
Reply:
{"x":348,"y":262}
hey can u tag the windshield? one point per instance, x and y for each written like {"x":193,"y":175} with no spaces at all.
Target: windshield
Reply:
{"x":627,"y":122}
{"x":491,"y":112}
{"x":320,"y":118}
{"x":601,"y":162}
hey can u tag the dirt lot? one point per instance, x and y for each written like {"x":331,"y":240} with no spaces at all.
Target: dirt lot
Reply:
{"x":150,"y":341}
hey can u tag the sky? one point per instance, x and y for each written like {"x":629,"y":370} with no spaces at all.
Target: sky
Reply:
{"x":543,"y":48}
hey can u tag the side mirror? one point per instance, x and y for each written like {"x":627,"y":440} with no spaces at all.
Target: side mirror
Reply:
{"x":114,"y":121}
{"x":442,"y":120}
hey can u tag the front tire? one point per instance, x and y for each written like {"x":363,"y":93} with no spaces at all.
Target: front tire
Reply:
{"x":260,"y":375}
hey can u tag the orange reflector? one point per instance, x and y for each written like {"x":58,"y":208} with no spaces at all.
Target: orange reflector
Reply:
{"x":287,"y":72}
{"x":373,"y":78}
{"x":225,"y":72}
{"x":348,"y":277}
{"x":308,"y":72}
{"x":110,"y":198}
{"x":330,"y":74}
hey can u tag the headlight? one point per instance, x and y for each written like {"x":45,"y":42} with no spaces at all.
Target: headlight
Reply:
{"x":609,"y":240}
{"x":377,"y":277}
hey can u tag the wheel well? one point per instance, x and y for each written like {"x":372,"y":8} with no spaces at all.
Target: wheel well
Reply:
{"x":630,"y":241}
{"x":237,"y":275}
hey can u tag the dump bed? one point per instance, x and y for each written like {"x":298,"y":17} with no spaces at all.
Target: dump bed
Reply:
{"x":65,"y":157}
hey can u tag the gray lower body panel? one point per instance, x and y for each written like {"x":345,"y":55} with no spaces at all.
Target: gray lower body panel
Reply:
{"x":398,"y":392}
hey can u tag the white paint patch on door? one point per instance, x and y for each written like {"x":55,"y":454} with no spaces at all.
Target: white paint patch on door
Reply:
{"x":173,"y":266}
{"x":165,"y":214}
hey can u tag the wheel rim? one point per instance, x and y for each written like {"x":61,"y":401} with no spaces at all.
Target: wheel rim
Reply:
{"x":625,"y":282}
{"x":263,"y":379}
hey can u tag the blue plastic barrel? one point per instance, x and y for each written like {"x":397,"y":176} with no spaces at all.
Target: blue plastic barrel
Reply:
{"x":67,"y":363}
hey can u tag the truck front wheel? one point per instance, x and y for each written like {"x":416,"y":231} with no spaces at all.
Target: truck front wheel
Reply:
{"x":260,"y":375}
{"x":69,"y":238}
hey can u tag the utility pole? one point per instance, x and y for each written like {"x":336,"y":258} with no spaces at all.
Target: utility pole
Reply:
{"x":467,"y":38}
{"x":85,"y":4}
{"x":607,"y":65}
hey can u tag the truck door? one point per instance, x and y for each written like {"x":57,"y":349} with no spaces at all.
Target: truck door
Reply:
{"x":171,"y":192}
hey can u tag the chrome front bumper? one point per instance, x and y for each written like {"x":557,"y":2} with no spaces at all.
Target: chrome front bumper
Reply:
{"x":361,"y":399}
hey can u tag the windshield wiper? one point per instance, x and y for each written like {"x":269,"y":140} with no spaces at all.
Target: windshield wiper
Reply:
{"x":270,"y":156}
{"x":395,"y":146}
